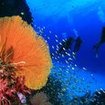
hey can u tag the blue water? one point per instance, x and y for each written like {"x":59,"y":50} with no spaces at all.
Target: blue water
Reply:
{"x":61,"y":17}
{"x":55,"y":20}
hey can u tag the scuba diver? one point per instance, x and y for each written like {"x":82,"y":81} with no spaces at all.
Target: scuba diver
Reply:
{"x":77,"y":45}
{"x":101,"y":41}
{"x":78,"y":42}
{"x":70,"y":44}
{"x":15,"y":7}
{"x":66,"y":45}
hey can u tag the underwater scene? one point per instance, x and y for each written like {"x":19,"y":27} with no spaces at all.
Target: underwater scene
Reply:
{"x":52,"y":52}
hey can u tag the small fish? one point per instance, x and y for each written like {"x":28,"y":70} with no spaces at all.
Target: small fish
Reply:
{"x":66,"y":45}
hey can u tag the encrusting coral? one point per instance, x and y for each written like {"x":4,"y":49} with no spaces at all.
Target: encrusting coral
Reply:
{"x":40,"y":99}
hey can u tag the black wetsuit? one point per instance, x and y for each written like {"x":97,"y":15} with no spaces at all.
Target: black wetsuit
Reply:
{"x":102,"y":40}
{"x":66,"y":45}
{"x":77,"y":45}
{"x":103,"y":36}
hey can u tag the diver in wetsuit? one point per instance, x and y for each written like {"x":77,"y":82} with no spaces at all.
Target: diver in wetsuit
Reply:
{"x":77,"y":45}
{"x":66,"y":45}
{"x":78,"y":42}
{"x":101,"y":41}
{"x":71,"y":44}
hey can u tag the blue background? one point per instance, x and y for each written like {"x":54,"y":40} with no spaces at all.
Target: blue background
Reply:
{"x":87,"y":17}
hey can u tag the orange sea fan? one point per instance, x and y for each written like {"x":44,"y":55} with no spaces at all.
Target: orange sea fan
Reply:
{"x":30,"y":52}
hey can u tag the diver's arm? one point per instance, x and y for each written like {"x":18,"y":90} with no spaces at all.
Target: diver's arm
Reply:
{"x":75,"y":32}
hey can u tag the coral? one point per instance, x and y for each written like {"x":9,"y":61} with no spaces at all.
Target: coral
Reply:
{"x":30,"y":57}
{"x":81,"y":100}
{"x":52,"y":89}
{"x":40,"y":99}
{"x":98,"y":98}
{"x":25,"y":61}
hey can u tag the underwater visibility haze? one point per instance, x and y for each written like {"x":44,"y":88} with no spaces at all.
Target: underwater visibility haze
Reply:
{"x":58,"y":21}
{"x":85,"y":17}
{"x":52,"y":52}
